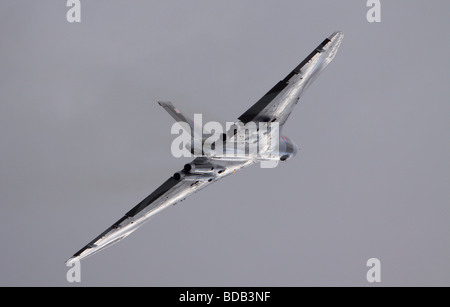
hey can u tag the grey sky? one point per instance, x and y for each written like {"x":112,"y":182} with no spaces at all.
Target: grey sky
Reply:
{"x":82,"y":141}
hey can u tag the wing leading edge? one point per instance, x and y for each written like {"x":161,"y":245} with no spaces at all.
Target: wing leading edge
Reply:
{"x":169,"y":193}
{"x":277,"y":104}
{"x":129,"y":222}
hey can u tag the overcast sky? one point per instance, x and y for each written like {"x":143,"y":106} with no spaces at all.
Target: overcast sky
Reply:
{"x":82,"y":141}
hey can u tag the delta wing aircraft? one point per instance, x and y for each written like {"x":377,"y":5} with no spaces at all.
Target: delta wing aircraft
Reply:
{"x":206,"y":168}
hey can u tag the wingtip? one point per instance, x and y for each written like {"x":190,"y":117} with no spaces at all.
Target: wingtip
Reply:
{"x":336,"y":34}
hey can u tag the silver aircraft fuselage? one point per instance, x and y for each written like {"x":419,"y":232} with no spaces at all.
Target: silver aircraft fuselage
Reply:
{"x":208,"y":167}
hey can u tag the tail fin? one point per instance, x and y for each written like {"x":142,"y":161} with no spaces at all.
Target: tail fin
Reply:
{"x":179,"y":117}
{"x":176,"y":114}
{"x":197,"y":136}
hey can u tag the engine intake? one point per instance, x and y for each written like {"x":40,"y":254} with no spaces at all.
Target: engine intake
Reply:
{"x":201,"y":168}
{"x":192,"y":177}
